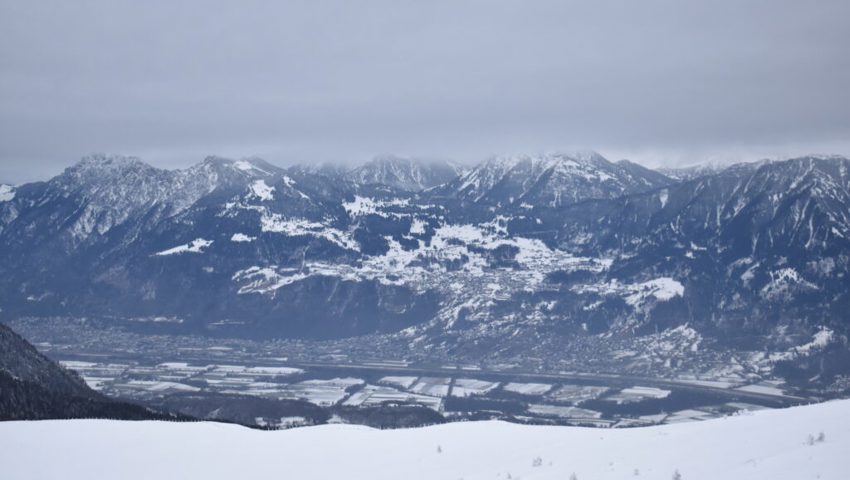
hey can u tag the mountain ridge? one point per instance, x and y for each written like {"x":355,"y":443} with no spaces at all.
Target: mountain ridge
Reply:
{"x":553,"y":178}
{"x":755,"y":255}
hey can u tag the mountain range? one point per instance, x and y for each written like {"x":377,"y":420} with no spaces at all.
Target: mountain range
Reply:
{"x":547,"y":246}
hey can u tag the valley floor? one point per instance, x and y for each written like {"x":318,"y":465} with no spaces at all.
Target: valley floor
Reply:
{"x":769,"y":444}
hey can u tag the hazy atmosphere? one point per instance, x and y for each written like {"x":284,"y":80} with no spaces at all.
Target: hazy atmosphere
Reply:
{"x":663,"y":83}
{"x":488,"y":240}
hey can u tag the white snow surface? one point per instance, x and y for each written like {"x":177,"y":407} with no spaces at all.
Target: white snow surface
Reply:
{"x":820,"y":340}
{"x":637,"y":294}
{"x":783,"y":283}
{"x":295,"y":227}
{"x":528,"y":388}
{"x":241,"y":237}
{"x":768,"y":444}
{"x":195,"y":246}
{"x":7,"y":193}
{"x":362,"y":206}
{"x":262,"y":191}
{"x":249,"y":167}
{"x":417,"y":227}
{"x":663,"y":195}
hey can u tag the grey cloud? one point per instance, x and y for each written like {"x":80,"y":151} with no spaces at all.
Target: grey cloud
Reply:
{"x":663,"y":82}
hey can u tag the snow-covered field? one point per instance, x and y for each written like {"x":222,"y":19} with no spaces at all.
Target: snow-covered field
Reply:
{"x":528,"y":388}
{"x":769,"y":444}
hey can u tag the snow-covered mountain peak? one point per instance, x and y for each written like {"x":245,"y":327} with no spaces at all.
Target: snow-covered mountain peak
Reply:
{"x":99,"y":175}
{"x":808,"y":156}
{"x":692,"y":171}
{"x":324,"y":169}
{"x":551,"y":158}
{"x":252,"y":168}
{"x":581,"y":163}
{"x":404,"y":173}
{"x":586,"y":156}
{"x":821,"y":175}
{"x":108,"y":161}
{"x":555,"y":178}
{"x":102,"y":167}
{"x":110,"y":189}
{"x":7,"y":193}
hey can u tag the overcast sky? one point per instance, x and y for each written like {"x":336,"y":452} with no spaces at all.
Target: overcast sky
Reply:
{"x":662,"y":83}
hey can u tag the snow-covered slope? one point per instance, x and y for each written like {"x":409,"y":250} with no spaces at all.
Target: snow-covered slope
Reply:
{"x":774,"y":445}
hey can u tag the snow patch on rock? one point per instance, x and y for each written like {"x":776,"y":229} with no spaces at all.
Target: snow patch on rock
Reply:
{"x":363,"y":206}
{"x":294,"y":227}
{"x":637,"y":294}
{"x":195,"y":246}
{"x":265,"y":280}
{"x":820,"y":340}
{"x":247,"y":166}
{"x":417,"y":227}
{"x":7,"y":193}
{"x":262,"y":191}
{"x":783,"y":283}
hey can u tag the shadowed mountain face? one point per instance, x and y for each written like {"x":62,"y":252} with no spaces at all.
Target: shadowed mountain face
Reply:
{"x":33,"y":387}
{"x":551,"y":246}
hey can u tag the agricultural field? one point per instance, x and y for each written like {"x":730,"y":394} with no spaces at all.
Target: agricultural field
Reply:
{"x":198,"y":377}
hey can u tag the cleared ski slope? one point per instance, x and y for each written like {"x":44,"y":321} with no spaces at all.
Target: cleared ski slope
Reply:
{"x":771,"y":444}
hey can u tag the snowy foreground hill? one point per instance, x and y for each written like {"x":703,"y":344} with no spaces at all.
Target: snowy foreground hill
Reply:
{"x":774,"y":444}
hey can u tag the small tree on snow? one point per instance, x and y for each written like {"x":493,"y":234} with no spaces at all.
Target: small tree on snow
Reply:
{"x":677,"y":475}
{"x":537,"y":462}
{"x":821,"y":437}
{"x":573,"y":476}
{"x":439,"y":449}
